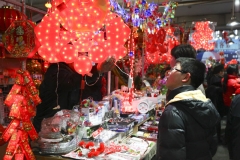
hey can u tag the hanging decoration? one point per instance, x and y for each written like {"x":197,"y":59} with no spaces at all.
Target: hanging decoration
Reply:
{"x":73,"y":29}
{"x":22,"y":99}
{"x":7,"y":15}
{"x":19,"y":39}
{"x":145,"y":15}
{"x":160,"y":44}
{"x":202,"y":37}
{"x":1,"y":132}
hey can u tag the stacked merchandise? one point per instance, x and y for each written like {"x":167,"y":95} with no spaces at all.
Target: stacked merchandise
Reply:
{"x":148,"y":130}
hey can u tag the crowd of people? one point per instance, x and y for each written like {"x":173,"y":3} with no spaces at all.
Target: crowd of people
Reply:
{"x":190,"y":126}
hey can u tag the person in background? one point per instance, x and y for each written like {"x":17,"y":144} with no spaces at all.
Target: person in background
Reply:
{"x":214,"y":92}
{"x":230,"y":83}
{"x":186,"y":128}
{"x":61,"y":85}
{"x":233,"y":127}
{"x":184,"y":50}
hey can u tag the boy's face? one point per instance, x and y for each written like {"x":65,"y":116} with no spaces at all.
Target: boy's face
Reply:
{"x":176,"y":78}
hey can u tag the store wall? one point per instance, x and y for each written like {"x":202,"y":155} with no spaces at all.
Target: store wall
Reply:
{"x":221,"y":20}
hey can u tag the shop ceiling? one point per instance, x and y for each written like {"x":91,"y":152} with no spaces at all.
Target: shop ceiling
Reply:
{"x":219,"y":11}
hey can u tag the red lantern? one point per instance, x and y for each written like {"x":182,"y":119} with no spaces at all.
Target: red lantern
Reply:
{"x":82,"y":65}
{"x":19,"y":38}
{"x":48,"y":35}
{"x":8,"y":15}
{"x":117,"y":32}
{"x":98,"y":52}
{"x":49,"y":55}
{"x":84,"y":42}
{"x":84,"y":16}
{"x":67,"y":53}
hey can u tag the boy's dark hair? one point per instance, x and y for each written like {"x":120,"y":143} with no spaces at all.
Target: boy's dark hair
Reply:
{"x":184,"y":50}
{"x":217,"y":68}
{"x":195,"y":68}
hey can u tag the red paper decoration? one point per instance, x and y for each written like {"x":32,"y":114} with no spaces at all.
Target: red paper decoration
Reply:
{"x":202,"y":36}
{"x":19,"y":39}
{"x":22,"y":99}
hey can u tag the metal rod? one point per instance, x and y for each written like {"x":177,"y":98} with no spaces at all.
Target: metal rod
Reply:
{"x":23,"y":7}
{"x":27,"y":6}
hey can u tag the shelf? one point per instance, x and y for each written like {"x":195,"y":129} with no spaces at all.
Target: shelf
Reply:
{"x":135,"y":128}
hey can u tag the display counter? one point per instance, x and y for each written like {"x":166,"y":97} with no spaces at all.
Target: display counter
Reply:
{"x":148,"y":155}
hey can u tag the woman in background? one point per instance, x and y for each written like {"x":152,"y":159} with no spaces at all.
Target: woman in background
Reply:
{"x":230,"y":83}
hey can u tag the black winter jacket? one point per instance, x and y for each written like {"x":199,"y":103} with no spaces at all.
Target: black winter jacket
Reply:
{"x":233,"y":129}
{"x":67,"y":91}
{"x":186,"y":128}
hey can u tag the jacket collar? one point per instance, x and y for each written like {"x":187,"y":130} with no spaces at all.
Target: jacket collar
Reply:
{"x":178,"y":90}
{"x":186,"y":92}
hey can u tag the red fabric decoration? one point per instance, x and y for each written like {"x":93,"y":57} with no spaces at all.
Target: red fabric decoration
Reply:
{"x":103,"y":84}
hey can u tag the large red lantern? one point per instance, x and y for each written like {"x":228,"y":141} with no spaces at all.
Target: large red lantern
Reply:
{"x":8,"y":15}
{"x":84,"y":15}
{"x":48,"y":32}
{"x":67,"y":53}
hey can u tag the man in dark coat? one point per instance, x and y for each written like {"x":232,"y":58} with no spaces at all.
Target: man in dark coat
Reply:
{"x":60,"y":88}
{"x":187,"y":126}
{"x":214,"y":92}
{"x":233,"y":128}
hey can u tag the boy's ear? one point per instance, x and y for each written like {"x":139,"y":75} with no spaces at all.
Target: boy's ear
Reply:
{"x":187,"y":78}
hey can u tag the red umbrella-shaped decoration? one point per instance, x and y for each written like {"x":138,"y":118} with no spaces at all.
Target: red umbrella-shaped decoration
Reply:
{"x":19,"y":39}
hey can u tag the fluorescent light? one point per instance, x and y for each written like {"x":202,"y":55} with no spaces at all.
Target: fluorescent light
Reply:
{"x":233,"y":22}
{"x":230,"y":42}
{"x":231,"y":34}
{"x":237,"y":2}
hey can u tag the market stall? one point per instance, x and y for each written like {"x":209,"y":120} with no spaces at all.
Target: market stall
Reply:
{"x":124,"y":123}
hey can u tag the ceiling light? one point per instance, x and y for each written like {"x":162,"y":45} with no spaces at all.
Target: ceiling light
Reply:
{"x":233,"y":21}
{"x":231,"y":34}
{"x":236,"y":2}
{"x":230,"y":42}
